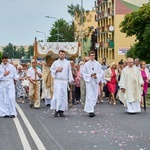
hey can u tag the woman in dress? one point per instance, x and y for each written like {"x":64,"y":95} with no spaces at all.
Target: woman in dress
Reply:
{"x":20,"y":91}
{"x":146,"y":76}
{"x":111,"y":76}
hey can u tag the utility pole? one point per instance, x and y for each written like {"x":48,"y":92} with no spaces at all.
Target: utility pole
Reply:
{"x":82,"y":24}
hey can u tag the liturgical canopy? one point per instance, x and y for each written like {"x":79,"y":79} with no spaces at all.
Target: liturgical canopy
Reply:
{"x":52,"y":49}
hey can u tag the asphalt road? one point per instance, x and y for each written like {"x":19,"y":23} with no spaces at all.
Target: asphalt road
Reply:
{"x":110,"y":129}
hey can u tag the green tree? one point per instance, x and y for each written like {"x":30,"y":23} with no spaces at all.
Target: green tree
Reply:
{"x":10,"y":49}
{"x":138,"y":24}
{"x":20,"y":52}
{"x":0,"y":57}
{"x":79,"y":17}
{"x":30,"y":52}
{"x":66,"y":32}
{"x":76,"y":13}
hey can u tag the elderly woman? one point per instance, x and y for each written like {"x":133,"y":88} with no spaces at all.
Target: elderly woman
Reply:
{"x":20,"y":91}
{"x":25,"y":81}
{"x":146,"y":76}
{"x":111,"y":76}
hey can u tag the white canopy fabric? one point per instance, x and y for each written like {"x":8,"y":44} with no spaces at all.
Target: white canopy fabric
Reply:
{"x":52,"y":48}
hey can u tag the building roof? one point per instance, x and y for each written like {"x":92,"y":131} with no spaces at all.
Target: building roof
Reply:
{"x":123,"y":7}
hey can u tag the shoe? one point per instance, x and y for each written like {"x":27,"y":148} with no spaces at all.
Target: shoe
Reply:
{"x":56,"y":114}
{"x":109,"y":102}
{"x":12,"y":116}
{"x":22,"y":101}
{"x":91,"y":114}
{"x":114,"y":103}
{"x":98,"y":102}
{"x":102,"y":101}
{"x":37,"y":107}
{"x":61,"y":113}
{"x":48,"y":105}
{"x":31,"y":105}
{"x":6,"y":116}
{"x":18,"y":101}
{"x":78,"y":102}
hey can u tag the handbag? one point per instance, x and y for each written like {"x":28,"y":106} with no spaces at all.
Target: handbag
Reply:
{"x":25,"y":83}
{"x":107,"y":78}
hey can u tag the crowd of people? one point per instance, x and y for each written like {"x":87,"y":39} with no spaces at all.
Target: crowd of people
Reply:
{"x":64,"y":84}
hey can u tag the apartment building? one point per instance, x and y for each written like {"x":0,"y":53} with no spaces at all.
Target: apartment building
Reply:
{"x":1,"y":48}
{"x":113,"y":44}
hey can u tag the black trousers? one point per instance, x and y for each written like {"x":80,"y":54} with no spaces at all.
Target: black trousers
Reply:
{"x":77,"y":93}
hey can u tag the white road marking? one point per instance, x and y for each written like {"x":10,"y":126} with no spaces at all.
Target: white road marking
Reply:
{"x":50,"y":135}
{"x":22,"y":135}
{"x":33,"y":134}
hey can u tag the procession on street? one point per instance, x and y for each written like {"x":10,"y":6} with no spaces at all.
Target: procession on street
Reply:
{"x":63,"y":83}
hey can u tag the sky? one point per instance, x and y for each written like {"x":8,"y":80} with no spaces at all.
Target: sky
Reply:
{"x":20,"y":19}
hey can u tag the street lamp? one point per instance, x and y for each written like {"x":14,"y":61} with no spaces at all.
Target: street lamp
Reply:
{"x":57,"y":26}
{"x":43,"y":33}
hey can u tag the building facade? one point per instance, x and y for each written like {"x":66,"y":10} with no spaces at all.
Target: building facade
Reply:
{"x":113,"y":44}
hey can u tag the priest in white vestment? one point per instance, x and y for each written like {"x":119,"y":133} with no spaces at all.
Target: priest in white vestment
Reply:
{"x":92,"y":76}
{"x":131,"y":84}
{"x":8,"y":74}
{"x":61,"y":72}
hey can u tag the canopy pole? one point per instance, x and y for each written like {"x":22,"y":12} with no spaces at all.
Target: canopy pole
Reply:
{"x":35,"y":57}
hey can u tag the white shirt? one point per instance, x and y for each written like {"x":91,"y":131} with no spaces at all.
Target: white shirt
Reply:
{"x":81,"y":70}
{"x":31,"y":73}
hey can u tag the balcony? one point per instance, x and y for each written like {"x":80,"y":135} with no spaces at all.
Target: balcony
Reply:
{"x":110,"y":11}
{"x":103,"y":29}
{"x":96,"y":18}
{"x":105,"y":45}
{"x":111,"y":44}
{"x":105,"y":14}
{"x":101,"y":44}
{"x":102,"y":15}
{"x":100,"y":2}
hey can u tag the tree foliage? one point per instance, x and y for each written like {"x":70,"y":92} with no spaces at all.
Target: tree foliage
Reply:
{"x":0,"y":57}
{"x":66,"y":32}
{"x":13,"y":51}
{"x":19,"y":52}
{"x":138,"y":24}
{"x":10,"y":49}
{"x":78,"y":21}
{"x":30,"y":51}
